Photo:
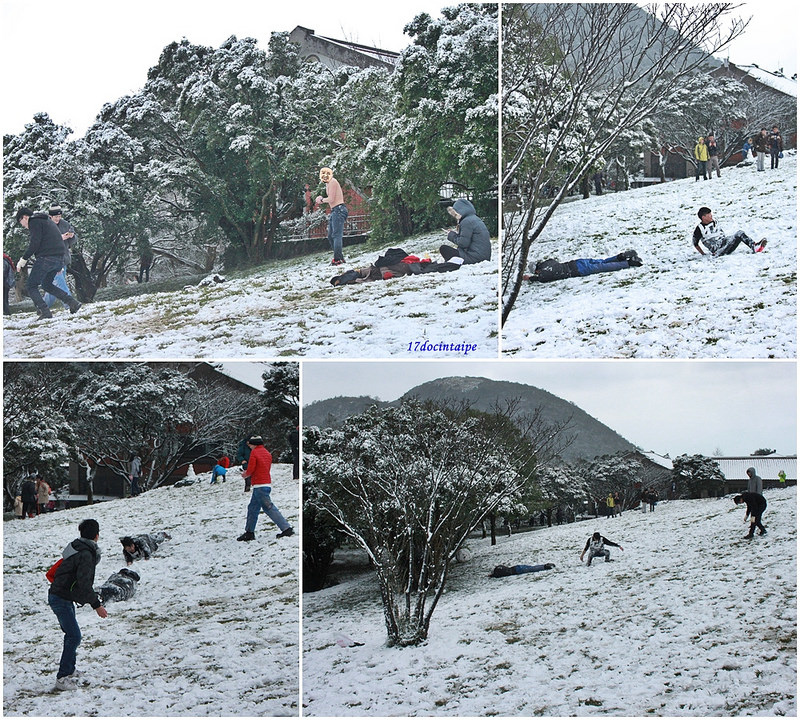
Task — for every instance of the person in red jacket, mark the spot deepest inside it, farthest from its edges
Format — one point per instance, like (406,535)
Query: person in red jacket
(258,470)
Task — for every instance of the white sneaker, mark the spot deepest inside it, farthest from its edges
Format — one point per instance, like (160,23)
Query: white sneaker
(66,683)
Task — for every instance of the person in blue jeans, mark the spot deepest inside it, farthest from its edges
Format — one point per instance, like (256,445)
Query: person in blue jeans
(258,470)
(505,571)
(550,270)
(73,582)
(338,213)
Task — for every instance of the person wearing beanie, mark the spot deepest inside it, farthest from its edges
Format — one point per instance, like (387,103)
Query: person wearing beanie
(716,241)
(69,237)
(756,505)
(550,270)
(337,215)
(73,582)
(48,246)
(258,470)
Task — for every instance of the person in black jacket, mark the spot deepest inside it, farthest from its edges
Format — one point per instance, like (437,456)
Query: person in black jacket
(756,504)
(596,547)
(119,586)
(141,547)
(73,583)
(29,497)
(550,270)
(48,246)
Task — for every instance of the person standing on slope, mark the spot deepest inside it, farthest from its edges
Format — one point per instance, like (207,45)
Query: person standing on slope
(72,583)
(258,470)
(337,215)
(756,505)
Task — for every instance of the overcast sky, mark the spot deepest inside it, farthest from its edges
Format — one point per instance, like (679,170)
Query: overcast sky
(69,59)
(670,407)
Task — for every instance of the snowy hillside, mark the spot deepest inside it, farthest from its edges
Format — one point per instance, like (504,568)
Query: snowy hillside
(287,309)
(213,629)
(679,304)
(690,620)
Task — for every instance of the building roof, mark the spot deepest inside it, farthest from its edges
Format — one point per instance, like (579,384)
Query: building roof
(767,466)
(777,81)
(334,53)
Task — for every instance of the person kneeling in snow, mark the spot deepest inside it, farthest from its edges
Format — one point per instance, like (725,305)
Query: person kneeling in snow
(142,546)
(596,547)
(471,235)
(505,571)
(120,586)
(550,270)
(715,240)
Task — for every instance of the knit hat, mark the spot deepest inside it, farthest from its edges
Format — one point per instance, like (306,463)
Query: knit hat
(54,210)
(256,440)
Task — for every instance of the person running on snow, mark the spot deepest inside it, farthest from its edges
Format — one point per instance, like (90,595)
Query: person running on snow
(596,547)
(72,583)
(550,270)
(258,470)
(715,240)
(48,246)
(337,215)
(756,504)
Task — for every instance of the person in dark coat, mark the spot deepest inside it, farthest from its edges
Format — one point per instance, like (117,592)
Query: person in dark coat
(756,504)
(48,246)
(70,237)
(142,547)
(595,545)
(775,147)
(119,586)
(9,281)
(505,571)
(73,583)
(471,236)
(29,497)
(551,270)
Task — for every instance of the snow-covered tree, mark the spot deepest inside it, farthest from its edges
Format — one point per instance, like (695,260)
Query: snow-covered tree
(576,76)
(409,483)
(696,476)
(280,407)
(442,126)
(613,474)
(37,434)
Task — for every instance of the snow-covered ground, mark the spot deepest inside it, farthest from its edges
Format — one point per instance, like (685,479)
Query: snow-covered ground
(288,309)
(679,304)
(213,629)
(690,620)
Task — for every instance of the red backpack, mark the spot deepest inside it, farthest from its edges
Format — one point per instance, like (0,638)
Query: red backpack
(51,573)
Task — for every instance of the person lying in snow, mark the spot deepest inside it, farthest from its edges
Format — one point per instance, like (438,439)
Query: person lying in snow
(505,571)
(550,270)
(715,240)
(395,263)
(120,586)
(142,546)
(471,236)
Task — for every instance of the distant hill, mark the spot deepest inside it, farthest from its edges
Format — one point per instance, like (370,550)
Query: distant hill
(592,437)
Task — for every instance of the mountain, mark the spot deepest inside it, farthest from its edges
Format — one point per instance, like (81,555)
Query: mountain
(592,437)
(690,619)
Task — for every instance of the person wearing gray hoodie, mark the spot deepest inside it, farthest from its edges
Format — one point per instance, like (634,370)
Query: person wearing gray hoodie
(754,482)
(471,236)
